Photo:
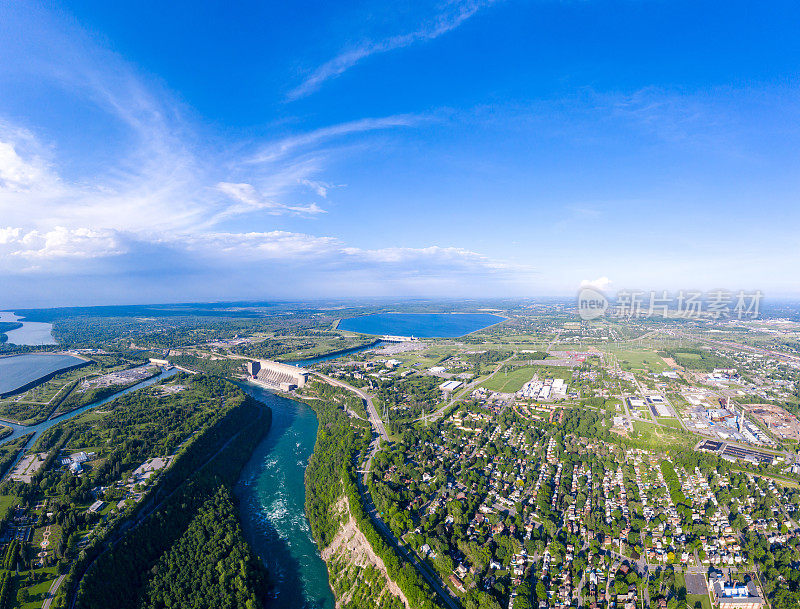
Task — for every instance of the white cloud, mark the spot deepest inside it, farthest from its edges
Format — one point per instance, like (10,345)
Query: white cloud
(254,247)
(601,283)
(278,150)
(321,188)
(454,14)
(59,243)
(284,245)
(16,174)
(251,200)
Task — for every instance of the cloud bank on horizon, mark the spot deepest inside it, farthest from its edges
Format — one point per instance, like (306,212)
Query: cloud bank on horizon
(131,174)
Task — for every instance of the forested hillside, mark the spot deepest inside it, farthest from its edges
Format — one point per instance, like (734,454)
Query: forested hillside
(126,568)
(209,566)
(364,570)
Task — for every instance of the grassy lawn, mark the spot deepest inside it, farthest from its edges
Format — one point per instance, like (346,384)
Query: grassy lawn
(639,359)
(38,535)
(691,599)
(556,372)
(37,592)
(6,503)
(511,381)
(669,422)
(650,432)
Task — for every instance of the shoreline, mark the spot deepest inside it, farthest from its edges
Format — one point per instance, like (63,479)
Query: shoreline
(332,354)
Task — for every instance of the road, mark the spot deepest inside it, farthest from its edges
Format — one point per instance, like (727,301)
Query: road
(369,505)
(433,416)
(51,593)
(374,419)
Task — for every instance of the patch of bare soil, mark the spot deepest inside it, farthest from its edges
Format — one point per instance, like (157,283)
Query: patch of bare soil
(351,544)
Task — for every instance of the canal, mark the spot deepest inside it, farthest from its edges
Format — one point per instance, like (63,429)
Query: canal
(21,430)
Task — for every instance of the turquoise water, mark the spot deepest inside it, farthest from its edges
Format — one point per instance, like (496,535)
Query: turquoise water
(19,370)
(271,492)
(423,325)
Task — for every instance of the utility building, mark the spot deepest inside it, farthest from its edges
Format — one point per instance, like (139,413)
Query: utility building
(276,375)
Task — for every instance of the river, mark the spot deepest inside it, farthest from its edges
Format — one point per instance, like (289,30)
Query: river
(271,493)
(337,355)
(31,332)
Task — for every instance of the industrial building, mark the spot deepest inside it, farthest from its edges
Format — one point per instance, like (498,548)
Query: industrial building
(544,390)
(450,385)
(734,595)
(276,375)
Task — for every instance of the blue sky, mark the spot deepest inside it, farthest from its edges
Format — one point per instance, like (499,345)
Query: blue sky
(182,151)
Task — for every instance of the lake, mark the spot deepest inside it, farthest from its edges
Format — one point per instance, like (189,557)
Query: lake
(422,325)
(31,332)
(19,370)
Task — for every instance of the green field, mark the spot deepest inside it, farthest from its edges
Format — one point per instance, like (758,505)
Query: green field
(669,422)
(6,503)
(37,592)
(511,381)
(650,432)
(691,599)
(554,372)
(639,359)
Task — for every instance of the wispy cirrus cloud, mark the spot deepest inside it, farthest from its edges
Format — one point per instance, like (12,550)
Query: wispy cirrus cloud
(319,187)
(252,200)
(285,147)
(161,176)
(451,16)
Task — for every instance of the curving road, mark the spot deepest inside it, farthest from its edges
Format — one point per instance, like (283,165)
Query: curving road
(369,505)
(374,419)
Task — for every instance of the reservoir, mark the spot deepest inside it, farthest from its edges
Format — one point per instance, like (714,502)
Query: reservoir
(31,332)
(422,325)
(271,493)
(20,370)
